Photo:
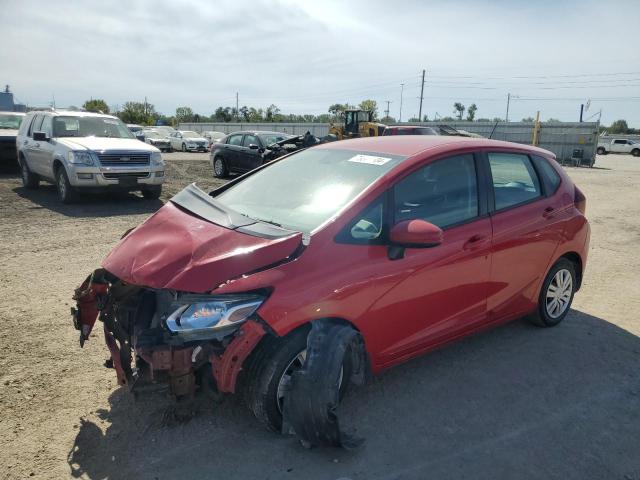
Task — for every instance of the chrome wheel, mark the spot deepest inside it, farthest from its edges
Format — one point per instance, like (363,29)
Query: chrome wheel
(559,293)
(294,365)
(218,167)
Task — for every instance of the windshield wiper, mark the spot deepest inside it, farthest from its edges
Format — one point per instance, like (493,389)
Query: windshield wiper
(271,222)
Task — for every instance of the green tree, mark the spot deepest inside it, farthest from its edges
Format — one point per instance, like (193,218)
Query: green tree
(387,120)
(370,106)
(619,126)
(271,113)
(222,114)
(184,114)
(471,112)
(458,109)
(138,112)
(553,120)
(96,104)
(528,119)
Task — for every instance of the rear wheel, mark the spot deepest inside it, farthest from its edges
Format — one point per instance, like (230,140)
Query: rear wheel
(220,167)
(29,180)
(556,294)
(601,151)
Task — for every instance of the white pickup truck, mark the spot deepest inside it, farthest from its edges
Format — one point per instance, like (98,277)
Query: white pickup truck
(618,145)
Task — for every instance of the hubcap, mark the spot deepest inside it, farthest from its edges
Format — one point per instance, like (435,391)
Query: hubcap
(294,365)
(218,166)
(559,293)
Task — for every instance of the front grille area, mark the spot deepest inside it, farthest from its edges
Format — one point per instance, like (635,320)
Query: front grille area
(114,159)
(116,176)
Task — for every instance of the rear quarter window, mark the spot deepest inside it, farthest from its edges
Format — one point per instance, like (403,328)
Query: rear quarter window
(549,176)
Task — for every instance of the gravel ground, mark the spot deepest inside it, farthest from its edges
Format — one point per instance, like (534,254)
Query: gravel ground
(514,402)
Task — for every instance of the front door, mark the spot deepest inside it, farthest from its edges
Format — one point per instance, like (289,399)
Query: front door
(250,158)
(442,291)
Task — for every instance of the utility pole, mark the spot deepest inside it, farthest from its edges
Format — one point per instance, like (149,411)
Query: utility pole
(237,107)
(421,97)
(386,112)
(508,100)
(145,107)
(581,111)
(401,90)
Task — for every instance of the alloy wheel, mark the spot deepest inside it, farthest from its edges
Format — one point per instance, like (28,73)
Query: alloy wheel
(218,167)
(559,293)
(62,186)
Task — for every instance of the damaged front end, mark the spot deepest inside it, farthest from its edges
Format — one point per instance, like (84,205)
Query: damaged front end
(161,338)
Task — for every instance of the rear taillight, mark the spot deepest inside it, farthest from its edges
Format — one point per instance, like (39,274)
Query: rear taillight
(580,201)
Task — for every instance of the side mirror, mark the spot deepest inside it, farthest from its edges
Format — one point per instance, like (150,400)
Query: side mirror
(40,136)
(413,234)
(253,146)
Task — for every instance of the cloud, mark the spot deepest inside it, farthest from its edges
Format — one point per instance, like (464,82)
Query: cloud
(304,56)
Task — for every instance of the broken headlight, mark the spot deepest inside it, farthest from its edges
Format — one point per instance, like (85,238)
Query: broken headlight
(213,314)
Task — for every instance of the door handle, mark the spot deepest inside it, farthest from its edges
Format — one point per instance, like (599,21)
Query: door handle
(474,241)
(548,212)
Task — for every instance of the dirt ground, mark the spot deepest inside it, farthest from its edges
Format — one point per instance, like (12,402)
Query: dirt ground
(514,402)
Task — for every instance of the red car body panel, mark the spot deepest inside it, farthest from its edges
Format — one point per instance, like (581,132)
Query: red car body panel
(486,271)
(177,250)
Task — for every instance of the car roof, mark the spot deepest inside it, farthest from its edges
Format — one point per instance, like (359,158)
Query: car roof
(256,132)
(72,113)
(414,144)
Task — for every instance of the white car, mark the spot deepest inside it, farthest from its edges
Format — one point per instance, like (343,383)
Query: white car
(618,145)
(158,139)
(188,141)
(213,137)
(83,152)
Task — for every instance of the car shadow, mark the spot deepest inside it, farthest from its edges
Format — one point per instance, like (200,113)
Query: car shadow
(90,205)
(514,402)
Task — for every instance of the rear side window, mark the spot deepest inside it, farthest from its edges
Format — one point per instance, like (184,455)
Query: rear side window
(235,140)
(514,179)
(444,193)
(548,174)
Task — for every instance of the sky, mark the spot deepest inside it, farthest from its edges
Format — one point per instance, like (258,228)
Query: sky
(303,56)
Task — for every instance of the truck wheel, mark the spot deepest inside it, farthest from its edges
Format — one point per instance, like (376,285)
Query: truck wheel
(152,193)
(601,151)
(635,152)
(29,180)
(220,167)
(66,193)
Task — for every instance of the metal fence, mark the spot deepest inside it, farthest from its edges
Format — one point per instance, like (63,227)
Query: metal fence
(572,142)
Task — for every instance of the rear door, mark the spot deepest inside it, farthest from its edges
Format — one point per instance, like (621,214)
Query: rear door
(527,227)
(30,147)
(619,146)
(43,154)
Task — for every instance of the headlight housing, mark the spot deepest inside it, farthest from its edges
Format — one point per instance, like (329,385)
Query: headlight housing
(81,158)
(208,317)
(156,159)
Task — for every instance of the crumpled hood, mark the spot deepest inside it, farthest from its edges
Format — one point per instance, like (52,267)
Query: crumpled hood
(105,143)
(178,250)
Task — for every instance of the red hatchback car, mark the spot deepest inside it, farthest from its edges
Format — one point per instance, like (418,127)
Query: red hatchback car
(345,258)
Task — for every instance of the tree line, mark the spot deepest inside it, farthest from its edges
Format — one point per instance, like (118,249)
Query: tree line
(144,113)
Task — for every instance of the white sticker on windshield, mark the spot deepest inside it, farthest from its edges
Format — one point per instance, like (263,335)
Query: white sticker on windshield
(369,159)
(110,121)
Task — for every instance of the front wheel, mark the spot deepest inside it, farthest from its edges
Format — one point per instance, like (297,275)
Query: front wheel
(556,294)
(269,371)
(184,147)
(66,193)
(635,152)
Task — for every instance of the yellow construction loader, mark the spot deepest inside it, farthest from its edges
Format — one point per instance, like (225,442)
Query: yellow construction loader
(357,123)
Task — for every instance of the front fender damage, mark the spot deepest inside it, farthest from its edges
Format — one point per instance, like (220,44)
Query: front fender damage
(310,405)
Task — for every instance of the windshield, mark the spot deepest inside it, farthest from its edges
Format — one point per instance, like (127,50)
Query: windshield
(152,134)
(306,189)
(90,127)
(269,138)
(190,134)
(11,122)
(216,135)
